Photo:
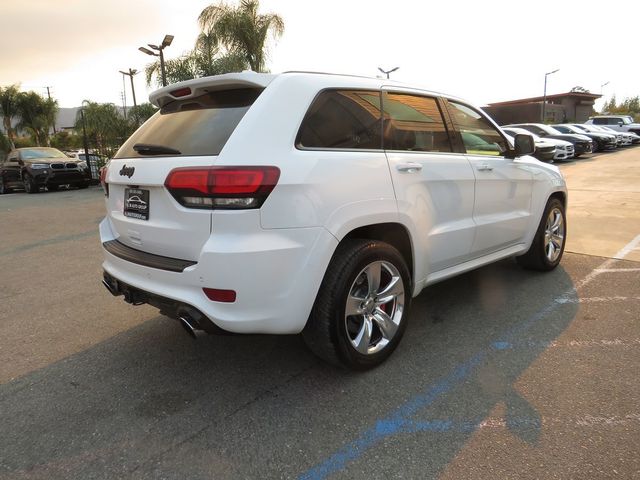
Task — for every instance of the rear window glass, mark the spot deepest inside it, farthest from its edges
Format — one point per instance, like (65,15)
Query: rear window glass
(343,119)
(194,126)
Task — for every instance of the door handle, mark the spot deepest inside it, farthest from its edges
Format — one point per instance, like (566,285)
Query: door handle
(409,167)
(484,167)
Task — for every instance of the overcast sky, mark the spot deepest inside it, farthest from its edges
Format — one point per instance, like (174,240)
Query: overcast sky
(485,51)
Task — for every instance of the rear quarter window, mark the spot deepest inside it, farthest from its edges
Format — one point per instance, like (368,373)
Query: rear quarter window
(342,119)
(193,126)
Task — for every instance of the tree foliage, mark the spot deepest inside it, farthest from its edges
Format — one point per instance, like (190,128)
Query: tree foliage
(8,109)
(579,89)
(106,126)
(242,30)
(629,106)
(36,115)
(31,113)
(232,39)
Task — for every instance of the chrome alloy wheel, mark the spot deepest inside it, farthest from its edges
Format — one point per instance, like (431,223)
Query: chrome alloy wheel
(554,235)
(374,307)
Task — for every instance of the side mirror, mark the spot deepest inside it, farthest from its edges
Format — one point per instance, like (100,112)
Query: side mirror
(619,123)
(524,145)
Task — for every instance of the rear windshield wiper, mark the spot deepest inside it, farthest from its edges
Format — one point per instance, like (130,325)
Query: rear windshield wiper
(150,149)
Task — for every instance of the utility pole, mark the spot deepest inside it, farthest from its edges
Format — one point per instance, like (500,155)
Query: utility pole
(544,97)
(54,122)
(130,74)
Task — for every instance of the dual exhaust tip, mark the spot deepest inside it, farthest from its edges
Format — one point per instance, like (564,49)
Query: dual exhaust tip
(191,319)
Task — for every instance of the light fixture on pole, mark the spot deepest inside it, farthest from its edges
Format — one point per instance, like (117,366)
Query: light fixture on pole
(544,97)
(387,72)
(130,74)
(165,43)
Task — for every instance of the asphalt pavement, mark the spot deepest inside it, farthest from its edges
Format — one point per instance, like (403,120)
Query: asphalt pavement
(502,373)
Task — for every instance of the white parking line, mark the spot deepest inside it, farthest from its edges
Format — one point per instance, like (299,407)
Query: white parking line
(615,298)
(632,245)
(617,270)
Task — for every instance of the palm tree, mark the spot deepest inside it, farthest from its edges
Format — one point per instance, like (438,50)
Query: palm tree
(37,115)
(8,109)
(204,60)
(105,126)
(242,30)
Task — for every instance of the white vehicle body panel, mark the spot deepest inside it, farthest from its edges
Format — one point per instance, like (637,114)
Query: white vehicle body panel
(457,216)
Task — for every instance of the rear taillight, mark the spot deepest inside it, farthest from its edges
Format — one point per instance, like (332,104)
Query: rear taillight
(222,187)
(103,180)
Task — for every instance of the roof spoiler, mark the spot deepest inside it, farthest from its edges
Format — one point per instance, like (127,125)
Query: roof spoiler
(198,86)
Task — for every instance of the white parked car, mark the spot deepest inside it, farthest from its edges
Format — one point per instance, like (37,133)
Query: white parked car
(320,204)
(619,123)
(563,150)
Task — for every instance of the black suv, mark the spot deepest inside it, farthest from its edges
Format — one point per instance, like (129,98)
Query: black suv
(35,167)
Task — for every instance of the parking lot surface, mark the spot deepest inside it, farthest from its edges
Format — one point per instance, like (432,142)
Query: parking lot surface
(502,373)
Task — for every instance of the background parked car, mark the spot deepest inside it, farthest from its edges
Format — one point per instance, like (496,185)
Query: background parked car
(35,167)
(581,143)
(626,137)
(564,150)
(597,129)
(619,123)
(546,150)
(601,140)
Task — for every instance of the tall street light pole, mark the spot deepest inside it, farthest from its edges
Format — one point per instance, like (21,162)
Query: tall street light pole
(544,97)
(604,102)
(165,43)
(387,72)
(130,74)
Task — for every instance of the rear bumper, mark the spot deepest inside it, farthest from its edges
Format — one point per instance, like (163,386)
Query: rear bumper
(275,274)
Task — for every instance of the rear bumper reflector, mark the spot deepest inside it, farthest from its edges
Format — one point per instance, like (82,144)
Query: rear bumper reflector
(120,250)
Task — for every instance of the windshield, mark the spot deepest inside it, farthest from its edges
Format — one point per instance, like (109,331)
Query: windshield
(549,130)
(522,131)
(573,129)
(42,152)
(627,120)
(193,126)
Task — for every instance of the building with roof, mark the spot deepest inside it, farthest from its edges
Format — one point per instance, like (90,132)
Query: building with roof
(560,108)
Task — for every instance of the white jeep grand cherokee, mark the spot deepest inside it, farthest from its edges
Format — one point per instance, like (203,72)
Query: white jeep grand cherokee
(317,203)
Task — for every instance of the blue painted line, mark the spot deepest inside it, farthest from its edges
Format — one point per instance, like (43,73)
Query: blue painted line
(399,420)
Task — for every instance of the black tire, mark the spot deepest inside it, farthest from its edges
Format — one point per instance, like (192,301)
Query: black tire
(537,257)
(3,189)
(327,331)
(53,188)
(30,186)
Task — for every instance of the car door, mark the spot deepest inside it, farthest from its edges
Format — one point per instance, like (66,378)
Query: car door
(434,185)
(504,186)
(11,170)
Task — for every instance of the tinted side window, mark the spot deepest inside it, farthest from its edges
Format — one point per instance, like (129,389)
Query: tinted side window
(414,123)
(600,121)
(342,119)
(614,121)
(478,135)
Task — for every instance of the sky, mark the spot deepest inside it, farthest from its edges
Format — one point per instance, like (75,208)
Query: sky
(485,51)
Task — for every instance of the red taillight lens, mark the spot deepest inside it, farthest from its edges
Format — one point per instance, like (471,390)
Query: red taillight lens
(222,187)
(103,180)
(219,295)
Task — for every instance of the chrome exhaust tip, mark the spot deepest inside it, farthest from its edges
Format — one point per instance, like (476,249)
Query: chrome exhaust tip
(109,287)
(188,324)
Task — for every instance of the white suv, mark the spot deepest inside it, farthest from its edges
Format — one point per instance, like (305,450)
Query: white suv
(317,203)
